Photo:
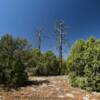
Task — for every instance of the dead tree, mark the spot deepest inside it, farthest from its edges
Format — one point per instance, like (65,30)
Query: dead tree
(60,30)
(38,38)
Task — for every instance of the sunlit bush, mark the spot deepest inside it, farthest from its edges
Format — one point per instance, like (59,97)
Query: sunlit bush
(83,64)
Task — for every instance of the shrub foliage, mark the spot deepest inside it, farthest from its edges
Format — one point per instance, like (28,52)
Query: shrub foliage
(17,59)
(45,63)
(83,64)
(13,57)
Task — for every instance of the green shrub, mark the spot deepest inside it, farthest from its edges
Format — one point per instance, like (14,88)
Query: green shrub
(13,61)
(44,64)
(84,62)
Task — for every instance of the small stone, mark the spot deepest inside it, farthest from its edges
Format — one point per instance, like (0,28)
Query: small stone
(96,93)
(87,95)
(57,89)
(61,96)
(76,92)
(33,89)
(85,98)
(70,95)
(43,85)
(1,98)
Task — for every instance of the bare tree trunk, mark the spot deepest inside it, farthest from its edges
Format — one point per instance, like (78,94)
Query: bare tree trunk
(39,41)
(60,29)
(38,36)
(60,51)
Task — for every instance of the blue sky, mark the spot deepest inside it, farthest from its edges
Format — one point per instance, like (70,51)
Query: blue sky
(22,17)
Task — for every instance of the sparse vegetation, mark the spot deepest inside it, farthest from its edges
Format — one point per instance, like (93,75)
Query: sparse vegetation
(18,59)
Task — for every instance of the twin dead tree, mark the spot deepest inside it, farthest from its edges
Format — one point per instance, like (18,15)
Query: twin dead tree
(60,29)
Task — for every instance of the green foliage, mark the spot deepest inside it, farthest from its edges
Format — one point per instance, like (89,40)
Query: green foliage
(13,61)
(45,64)
(83,64)
(35,62)
(51,63)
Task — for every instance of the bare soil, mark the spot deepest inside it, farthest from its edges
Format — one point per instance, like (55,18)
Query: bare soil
(48,88)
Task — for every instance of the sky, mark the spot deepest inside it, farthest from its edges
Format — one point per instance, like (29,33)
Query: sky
(21,18)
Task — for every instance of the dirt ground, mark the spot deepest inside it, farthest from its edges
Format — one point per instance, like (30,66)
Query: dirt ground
(48,88)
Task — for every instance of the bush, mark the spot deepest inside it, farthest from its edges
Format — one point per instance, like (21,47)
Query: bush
(84,64)
(45,64)
(48,64)
(13,55)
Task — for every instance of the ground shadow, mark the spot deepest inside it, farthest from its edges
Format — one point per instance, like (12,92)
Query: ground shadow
(36,82)
(27,83)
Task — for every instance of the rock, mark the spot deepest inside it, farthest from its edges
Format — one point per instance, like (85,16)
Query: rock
(33,89)
(57,89)
(69,95)
(85,98)
(75,92)
(96,93)
(43,86)
(1,98)
(61,96)
(54,82)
